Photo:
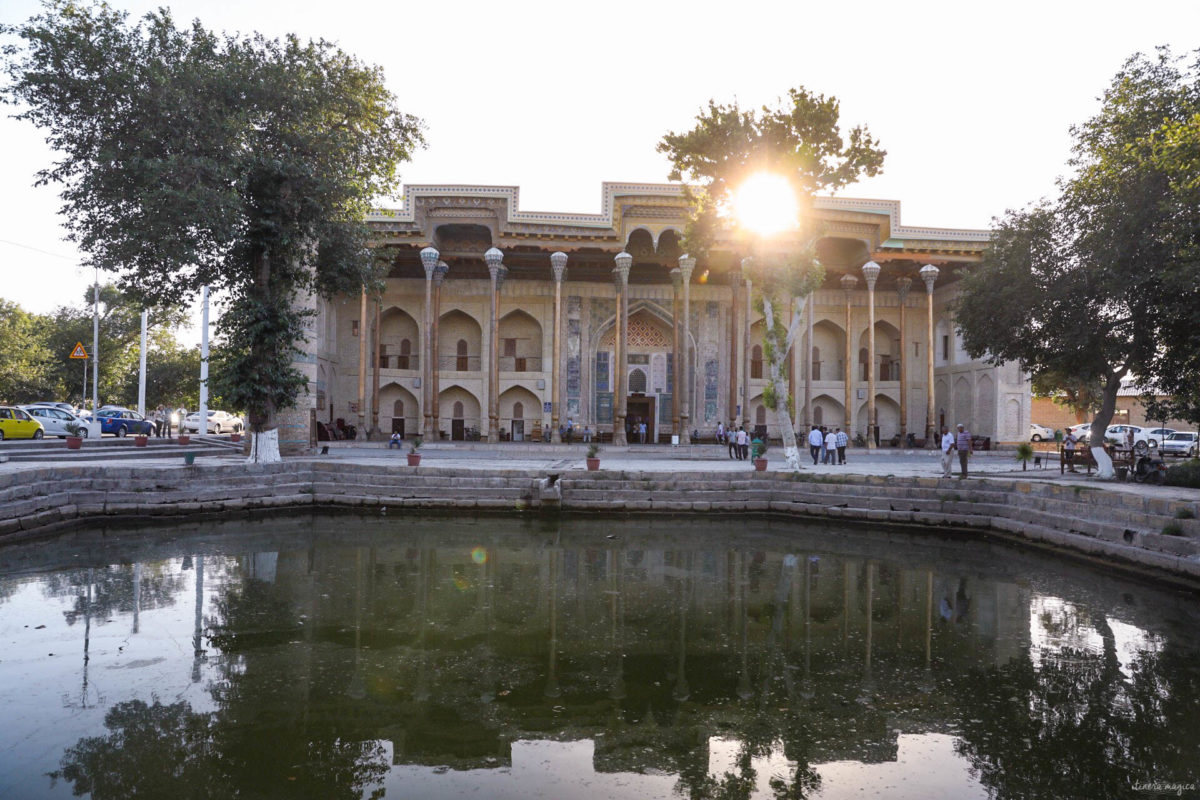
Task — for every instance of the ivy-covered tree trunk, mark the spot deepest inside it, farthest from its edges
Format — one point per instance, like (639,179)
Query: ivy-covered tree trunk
(775,349)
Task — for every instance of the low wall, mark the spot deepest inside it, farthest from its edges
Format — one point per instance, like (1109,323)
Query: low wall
(1122,528)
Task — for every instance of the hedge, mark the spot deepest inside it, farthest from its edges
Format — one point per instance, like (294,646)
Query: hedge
(1185,474)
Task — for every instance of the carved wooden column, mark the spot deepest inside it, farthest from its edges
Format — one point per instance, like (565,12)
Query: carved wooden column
(376,333)
(558,265)
(435,373)
(496,269)
(686,265)
(676,284)
(363,331)
(621,280)
(808,370)
(902,287)
(870,271)
(929,274)
(735,281)
(747,347)
(429,260)
(848,284)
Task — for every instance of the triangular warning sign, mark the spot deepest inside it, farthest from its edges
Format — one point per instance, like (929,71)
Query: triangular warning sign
(79,352)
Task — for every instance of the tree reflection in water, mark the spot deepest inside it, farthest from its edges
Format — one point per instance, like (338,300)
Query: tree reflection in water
(444,650)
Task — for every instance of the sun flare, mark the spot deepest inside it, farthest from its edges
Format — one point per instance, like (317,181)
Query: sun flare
(765,203)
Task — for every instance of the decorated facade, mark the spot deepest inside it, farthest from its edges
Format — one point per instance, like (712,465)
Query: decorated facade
(503,324)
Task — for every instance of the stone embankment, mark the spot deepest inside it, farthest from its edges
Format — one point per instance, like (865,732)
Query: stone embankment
(1123,528)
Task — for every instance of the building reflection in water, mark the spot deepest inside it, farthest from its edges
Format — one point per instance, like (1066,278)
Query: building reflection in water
(430,647)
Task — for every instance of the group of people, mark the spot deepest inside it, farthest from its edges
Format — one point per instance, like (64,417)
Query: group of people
(738,441)
(167,419)
(568,430)
(960,443)
(827,446)
(636,430)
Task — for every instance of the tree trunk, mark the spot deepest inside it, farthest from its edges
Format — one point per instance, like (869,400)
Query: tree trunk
(1103,418)
(264,436)
(782,418)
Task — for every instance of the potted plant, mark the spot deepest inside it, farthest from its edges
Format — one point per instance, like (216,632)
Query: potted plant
(184,438)
(74,435)
(1024,453)
(414,458)
(758,450)
(235,437)
(593,457)
(140,440)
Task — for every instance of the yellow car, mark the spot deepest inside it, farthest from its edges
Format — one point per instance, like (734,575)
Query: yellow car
(16,424)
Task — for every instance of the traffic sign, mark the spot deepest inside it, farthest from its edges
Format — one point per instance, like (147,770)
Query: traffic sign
(79,352)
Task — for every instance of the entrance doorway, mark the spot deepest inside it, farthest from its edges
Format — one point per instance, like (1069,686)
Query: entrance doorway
(640,408)
(458,428)
(398,418)
(518,423)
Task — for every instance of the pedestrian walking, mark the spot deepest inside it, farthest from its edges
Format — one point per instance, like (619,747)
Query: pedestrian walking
(830,448)
(842,441)
(815,440)
(948,442)
(1069,450)
(963,444)
(720,433)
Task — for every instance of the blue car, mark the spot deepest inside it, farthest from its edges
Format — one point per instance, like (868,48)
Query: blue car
(122,422)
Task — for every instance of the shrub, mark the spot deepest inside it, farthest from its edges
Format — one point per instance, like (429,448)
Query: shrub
(1185,513)
(593,450)
(1172,529)
(415,444)
(1185,474)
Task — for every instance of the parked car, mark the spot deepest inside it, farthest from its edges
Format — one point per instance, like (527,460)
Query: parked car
(218,422)
(1180,443)
(1119,435)
(1040,433)
(17,424)
(64,406)
(1082,431)
(1159,435)
(55,420)
(122,422)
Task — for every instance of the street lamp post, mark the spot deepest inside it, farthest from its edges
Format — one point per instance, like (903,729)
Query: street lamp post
(929,274)
(870,272)
(435,372)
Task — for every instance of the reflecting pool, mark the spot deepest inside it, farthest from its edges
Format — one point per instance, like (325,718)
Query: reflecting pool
(341,656)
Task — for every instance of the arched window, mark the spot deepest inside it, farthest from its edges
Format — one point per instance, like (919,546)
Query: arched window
(637,382)
(756,362)
(518,410)
(463,362)
(398,408)
(816,363)
(458,409)
(818,416)
(404,361)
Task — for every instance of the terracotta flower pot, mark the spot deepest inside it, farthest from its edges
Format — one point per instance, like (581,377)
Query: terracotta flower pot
(414,459)
(74,442)
(593,464)
(760,465)
(140,441)
(235,437)
(184,438)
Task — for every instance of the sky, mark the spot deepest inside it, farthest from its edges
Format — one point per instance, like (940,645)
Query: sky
(972,101)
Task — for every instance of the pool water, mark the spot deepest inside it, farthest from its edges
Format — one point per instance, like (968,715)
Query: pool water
(346,656)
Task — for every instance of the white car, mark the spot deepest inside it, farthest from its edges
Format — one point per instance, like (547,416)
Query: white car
(1082,431)
(218,422)
(55,420)
(1119,435)
(1040,433)
(1180,443)
(1159,435)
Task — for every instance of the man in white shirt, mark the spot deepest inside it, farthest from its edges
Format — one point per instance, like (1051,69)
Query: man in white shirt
(947,451)
(743,444)
(830,448)
(815,439)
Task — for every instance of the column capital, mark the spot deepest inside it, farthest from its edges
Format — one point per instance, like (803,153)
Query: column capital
(439,273)
(558,265)
(929,274)
(902,287)
(676,277)
(429,260)
(849,284)
(870,271)
(621,270)
(686,265)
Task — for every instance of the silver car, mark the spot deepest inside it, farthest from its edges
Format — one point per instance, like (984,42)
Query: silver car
(55,420)
(1180,443)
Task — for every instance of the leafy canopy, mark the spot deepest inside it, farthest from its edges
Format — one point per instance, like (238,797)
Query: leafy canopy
(192,158)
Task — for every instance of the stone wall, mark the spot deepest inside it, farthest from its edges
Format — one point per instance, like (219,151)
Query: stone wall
(1120,528)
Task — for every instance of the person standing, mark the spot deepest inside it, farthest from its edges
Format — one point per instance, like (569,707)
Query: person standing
(743,444)
(842,441)
(963,444)
(720,433)
(1069,450)
(815,439)
(830,448)
(948,441)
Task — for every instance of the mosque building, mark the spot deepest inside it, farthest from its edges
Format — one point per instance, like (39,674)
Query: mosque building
(502,324)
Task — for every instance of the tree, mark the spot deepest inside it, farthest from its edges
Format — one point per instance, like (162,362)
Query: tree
(192,158)
(1081,396)
(1100,283)
(801,142)
(24,356)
